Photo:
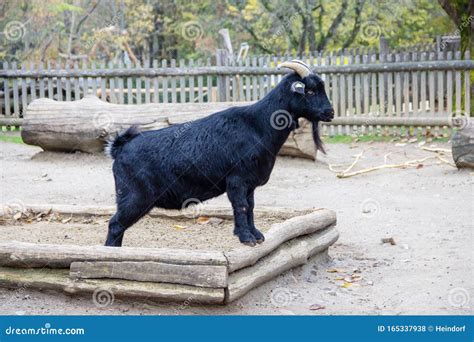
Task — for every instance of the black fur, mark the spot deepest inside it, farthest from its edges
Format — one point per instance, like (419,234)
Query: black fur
(231,151)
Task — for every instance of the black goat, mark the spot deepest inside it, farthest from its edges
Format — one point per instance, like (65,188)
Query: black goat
(231,151)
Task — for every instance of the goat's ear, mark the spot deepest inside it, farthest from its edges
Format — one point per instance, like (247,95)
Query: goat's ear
(298,87)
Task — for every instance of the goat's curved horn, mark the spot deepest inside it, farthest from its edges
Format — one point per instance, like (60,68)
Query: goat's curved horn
(298,66)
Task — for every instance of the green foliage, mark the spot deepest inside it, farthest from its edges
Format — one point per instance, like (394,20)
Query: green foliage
(157,28)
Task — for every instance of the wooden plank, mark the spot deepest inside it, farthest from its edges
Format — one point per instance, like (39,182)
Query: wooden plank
(350,94)
(58,280)
(24,90)
(165,81)
(182,84)
(119,82)
(138,85)
(200,86)
(458,85)
(254,81)
(112,86)
(278,234)
(41,82)
(6,88)
(59,88)
(423,107)
(67,83)
(431,88)
(50,83)
(130,96)
(467,87)
(173,84)
(30,255)
(415,76)
(94,80)
(147,85)
(373,92)
(103,84)
(449,87)
(191,82)
(248,94)
(32,84)
(196,275)
(366,92)
(292,254)
(77,84)
(156,88)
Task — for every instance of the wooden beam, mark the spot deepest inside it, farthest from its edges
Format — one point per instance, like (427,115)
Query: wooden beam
(31,255)
(292,254)
(278,234)
(236,70)
(58,280)
(196,275)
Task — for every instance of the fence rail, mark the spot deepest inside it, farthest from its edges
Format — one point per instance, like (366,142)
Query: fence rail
(371,93)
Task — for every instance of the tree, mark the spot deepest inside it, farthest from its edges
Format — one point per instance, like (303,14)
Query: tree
(461,13)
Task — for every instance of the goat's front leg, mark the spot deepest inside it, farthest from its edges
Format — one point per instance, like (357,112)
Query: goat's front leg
(237,193)
(255,232)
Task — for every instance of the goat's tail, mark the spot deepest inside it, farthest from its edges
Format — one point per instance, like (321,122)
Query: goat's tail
(317,138)
(114,144)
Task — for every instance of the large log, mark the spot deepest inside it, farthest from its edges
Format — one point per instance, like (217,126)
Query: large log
(278,234)
(196,275)
(31,255)
(86,124)
(58,280)
(463,146)
(291,254)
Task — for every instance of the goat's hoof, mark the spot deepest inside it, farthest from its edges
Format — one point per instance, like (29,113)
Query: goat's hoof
(259,241)
(250,243)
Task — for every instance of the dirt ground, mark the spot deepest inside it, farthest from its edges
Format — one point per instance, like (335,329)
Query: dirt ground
(427,210)
(199,233)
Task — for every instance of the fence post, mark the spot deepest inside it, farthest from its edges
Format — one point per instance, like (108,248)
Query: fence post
(221,60)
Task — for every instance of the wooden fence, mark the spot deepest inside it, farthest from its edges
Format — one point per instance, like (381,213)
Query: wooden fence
(371,92)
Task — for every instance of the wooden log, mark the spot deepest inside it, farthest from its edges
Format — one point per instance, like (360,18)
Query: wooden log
(291,254)
(463,147)
(278,234)
(86,124)
(196,275)
(58,280)
(30,255)
(225,212)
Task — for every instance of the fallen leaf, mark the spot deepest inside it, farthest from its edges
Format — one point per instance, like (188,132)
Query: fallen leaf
(203,220)
(339,278)
(390,240)
(346,285)
(66,220)
(334,270)
(419,166)
(317,307)
(17,216)
(178,226)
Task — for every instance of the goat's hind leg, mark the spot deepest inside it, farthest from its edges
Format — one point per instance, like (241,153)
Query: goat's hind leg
(238,197)
(127,214)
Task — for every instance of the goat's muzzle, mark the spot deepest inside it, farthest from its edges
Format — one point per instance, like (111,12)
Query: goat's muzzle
(327,115)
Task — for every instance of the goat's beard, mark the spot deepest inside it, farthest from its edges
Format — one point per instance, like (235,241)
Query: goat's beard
(316,137)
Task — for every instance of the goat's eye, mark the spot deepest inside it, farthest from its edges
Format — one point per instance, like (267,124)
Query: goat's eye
(310,92)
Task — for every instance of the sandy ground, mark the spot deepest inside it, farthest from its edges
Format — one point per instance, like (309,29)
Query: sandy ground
(200,233)
(427,210)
